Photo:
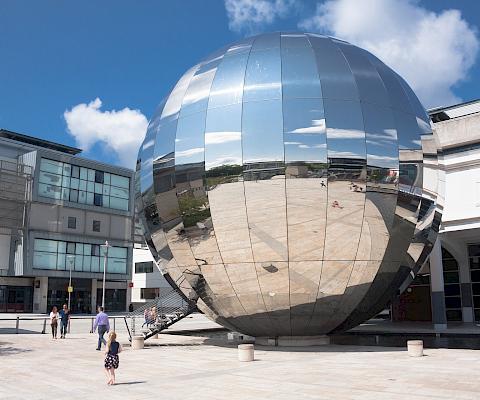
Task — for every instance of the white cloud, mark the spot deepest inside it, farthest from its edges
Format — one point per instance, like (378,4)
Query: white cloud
(315,146)
(344,154)
(189,152)
(120,131)
(317,126)
(250,15)
(222,137)
(337,133)
(432,51)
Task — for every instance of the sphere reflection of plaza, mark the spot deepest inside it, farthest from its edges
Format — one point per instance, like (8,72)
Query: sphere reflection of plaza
(280,185)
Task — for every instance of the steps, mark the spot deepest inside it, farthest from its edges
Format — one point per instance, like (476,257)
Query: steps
(158,314)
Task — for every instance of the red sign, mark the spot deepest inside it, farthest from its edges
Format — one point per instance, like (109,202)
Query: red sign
(130,284)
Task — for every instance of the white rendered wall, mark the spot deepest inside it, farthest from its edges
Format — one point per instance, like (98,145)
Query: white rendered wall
(462,186)
(154,279)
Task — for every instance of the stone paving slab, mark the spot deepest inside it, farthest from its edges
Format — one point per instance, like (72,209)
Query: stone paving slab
(206,367)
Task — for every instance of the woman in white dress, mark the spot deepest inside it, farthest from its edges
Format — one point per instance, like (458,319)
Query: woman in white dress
(54,321)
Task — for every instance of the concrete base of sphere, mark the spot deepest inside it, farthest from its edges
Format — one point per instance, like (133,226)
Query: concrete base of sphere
(293,341)
(245,352)
(138,342)
(415,348)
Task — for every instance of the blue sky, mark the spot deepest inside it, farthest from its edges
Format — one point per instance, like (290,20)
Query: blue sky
(59,56)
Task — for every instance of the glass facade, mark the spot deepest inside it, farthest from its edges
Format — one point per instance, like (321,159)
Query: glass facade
(268,185)
(82,257)
(474,263)
(63,181)
(451,279)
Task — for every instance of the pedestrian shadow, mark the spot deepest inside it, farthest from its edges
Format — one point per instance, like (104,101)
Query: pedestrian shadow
(7,350)
(10,331)
(129,383)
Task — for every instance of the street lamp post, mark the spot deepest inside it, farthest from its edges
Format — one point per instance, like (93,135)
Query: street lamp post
(105,255)
(71,259)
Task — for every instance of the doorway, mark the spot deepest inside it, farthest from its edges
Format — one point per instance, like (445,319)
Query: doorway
(16,299)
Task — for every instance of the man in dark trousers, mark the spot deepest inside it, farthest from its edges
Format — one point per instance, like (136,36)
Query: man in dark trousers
(101,321)
(64,318)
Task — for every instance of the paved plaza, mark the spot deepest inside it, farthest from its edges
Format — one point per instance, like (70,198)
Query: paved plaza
(203,365)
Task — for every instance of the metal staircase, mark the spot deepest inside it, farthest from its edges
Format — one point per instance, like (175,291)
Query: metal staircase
(158,314)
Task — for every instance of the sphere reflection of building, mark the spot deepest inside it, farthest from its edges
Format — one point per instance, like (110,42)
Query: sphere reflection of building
(274,185)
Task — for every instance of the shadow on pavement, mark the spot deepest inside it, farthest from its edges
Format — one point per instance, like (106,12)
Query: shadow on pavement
(219,339)
(20,331)
(6,349)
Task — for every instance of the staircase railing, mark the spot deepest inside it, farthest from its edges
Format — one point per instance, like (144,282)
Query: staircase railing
(158,314)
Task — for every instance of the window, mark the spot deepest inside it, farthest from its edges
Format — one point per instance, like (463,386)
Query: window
(80,257)
(144,267)
(98,199)
(70,248)
(96,250)
(62,181)
(149,293)
(74,195)
(96,226)
(99,176)
(75,171)
(72,223)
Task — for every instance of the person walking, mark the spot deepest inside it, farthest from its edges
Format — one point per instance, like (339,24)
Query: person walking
(111,357)
(54,321)
(101,321)
(64,319)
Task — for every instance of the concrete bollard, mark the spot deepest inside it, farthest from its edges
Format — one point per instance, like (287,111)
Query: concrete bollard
(245,352)
(415,348)
(138,342)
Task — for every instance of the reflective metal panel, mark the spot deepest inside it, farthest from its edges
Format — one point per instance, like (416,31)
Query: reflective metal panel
(273,278)
(306,173)
(244,279)
(197,94)
(266,41)
(304,281)
(299,70)
(227,86)
(369,85)
(264,179)
(262,137)
(346,178)
(396,94)
(335,74)
(263,76)
(174,100)
(223,164)
(333,283)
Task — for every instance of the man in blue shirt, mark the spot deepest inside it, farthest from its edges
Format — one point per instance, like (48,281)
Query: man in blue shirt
(101,321)
(64,318)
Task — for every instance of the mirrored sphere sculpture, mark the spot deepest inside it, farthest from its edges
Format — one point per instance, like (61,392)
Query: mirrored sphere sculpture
(281,185)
